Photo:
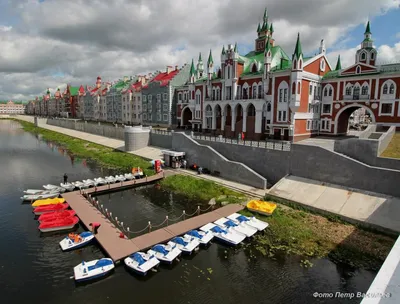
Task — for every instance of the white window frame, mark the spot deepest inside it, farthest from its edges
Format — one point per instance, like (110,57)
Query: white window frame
(159,117)
(165,96)
(308,125)
(144,98)
(165,107)
(165,117)
(150,116)
(324,124)
(386,114)
(158,97)
(322,65)
(330,109)
(150,98)
(144,116)
(358,69)
(280,116)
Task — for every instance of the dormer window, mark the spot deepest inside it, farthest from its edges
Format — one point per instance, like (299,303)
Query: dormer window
(254,68)
(363,56)
(322,65)
(358,69)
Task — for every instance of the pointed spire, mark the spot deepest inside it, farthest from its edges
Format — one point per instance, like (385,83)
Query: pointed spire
(210,59)
(258,28)
(297,50)
(265,14)
(267,46)
(271,28)
(223,50)
(48,91)
(338,64)
(192,70)
(200,57)
(368,29)
(265,26)
(235,48)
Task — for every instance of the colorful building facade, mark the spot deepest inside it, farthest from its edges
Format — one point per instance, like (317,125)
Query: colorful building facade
(12,108)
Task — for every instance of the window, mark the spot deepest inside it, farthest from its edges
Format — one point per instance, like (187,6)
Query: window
(325,92)
(385,89)
(165,96)
(282,116)
(330,91)
(386,108)
(310,89)
(180,97)
(144,116)
(144,98)
(372,56)
(260,91)
(149,98)
(391,89)
(348,90)
(285,95)
(165,117)
(144,107)
(308,125)
(254,93)
(280,95)
(229,72)
(150,117)
(326,109)
(325,125)
(322,67)
(298,88)
(159,117)
(269,107)
(165,107)
(358,70)
(158,97)
(356,92)
(198,99)
(363,56)
(364,90)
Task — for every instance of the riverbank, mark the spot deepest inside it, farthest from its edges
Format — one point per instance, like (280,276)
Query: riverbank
(296,231)
(105,156)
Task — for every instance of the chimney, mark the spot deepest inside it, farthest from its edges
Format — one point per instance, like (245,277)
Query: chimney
(169,69)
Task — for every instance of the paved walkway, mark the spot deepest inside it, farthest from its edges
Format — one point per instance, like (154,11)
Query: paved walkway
(118,248)
(373,209)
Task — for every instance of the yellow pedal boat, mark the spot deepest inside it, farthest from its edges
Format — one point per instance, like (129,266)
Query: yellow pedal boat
(261,207)
(48,201)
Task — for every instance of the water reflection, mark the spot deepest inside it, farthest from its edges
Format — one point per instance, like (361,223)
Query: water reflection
(35,270)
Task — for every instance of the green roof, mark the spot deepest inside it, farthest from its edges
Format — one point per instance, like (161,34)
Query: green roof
(74,91)
(368,29)
(200,57)
(192,69)
(276,53)
(271,28)
(298,51)
(210,58)
(338,64)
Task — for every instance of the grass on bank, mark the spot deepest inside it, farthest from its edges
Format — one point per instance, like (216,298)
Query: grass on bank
(105,156)
(297,231)
(393,149)
(201,189)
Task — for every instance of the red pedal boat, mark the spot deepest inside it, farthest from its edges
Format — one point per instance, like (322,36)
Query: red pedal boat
(50,216)
(50,208)
(59,224)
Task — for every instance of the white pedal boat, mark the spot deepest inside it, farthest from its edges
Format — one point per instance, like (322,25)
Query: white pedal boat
(100,181)
(89,182)
(67,186)
(34,197)
(69,244)
(129,176)
(93,269)
(165,253)
(141,262)
(187,245)
(229,225)
(204,238)
(231,238)
(251,221)
(81,185)
(50,187)
(120,178)
(110,179)
(37,191)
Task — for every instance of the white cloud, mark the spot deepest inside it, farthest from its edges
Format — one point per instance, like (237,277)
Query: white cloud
(81,39)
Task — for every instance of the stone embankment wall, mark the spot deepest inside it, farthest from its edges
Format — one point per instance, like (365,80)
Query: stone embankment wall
(310,162)
(116,132)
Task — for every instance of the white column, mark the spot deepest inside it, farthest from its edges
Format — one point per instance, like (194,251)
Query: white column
(223,120)
(233,120)
(258,121)
(244,120)
(234,89)
(376,89)
(214,120)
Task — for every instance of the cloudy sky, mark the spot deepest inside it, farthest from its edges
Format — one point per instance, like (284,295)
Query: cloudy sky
(48,43)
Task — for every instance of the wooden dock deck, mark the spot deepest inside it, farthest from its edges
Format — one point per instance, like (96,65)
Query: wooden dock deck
(108,235)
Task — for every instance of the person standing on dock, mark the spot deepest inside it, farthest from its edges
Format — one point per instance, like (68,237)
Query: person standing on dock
(65,178)
(95,226)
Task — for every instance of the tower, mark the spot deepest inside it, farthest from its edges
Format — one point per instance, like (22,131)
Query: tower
(200,67)
(210,71)
(322,49)
(367,53)
(264,31)
(296,76)
(98,82)
(267,65)
(192,75)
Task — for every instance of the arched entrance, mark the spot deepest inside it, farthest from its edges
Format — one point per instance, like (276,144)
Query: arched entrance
(186,116)
(352,115)
(239,119)
(250,121)
(218,116)
(228,117)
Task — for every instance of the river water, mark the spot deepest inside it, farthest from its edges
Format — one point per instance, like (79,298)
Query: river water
(33,269)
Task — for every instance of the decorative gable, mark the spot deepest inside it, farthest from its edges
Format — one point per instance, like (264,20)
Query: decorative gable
(318,65)
(359,68)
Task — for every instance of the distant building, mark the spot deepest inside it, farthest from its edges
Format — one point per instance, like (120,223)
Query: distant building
(12,108)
